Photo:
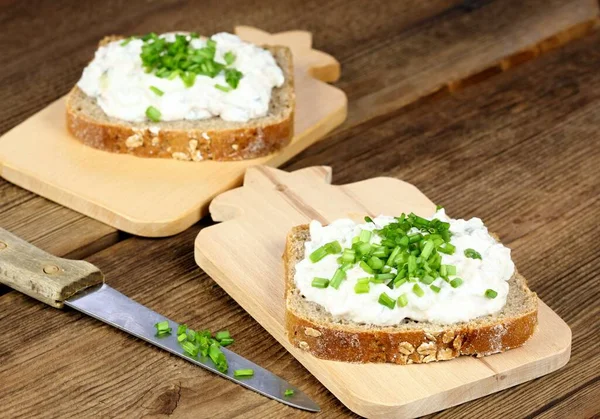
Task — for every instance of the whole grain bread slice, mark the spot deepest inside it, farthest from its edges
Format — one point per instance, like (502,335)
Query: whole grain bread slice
(189,140)
(310,327)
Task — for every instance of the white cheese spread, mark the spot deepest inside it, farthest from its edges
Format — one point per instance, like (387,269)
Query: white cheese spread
(450,305)
(117,80)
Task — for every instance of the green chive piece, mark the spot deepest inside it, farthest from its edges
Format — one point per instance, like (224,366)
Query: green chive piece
(337,279)
(427,279)
(320,282)
(386,300)
(348,256)
(157,90)
(181,329)
(181,338)
(427,249)
(447,248)
(333,247)
(223,334)
(217,357)
(226,342)
(399,282)
(190,348)
(418,290)
(472,253)
(162,328)
(288,392)
(451,269)
(153,114)
(243,373)
(365,280)
(456,282)
(229,57)
(365,267)
(489,293)
(369,219)
(223,88)
(375,263)
(435,288)
(412,264)
(365,236)
(364,248)
(402,300)
(438,207)
(361,288)
(127,41)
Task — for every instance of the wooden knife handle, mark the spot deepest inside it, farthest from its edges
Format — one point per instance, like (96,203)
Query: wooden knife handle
(40,275)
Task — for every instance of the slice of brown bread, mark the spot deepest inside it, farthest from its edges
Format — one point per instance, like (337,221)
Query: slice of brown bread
(310,327)
(197,140)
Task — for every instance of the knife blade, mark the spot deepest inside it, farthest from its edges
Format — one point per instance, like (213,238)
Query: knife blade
(80,285)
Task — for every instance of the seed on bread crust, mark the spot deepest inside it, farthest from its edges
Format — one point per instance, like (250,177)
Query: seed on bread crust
(457,344)
(448,336)
(406,348)
(428,358)
(309,331)
(178,155)
(134,141)
(303,345)
(427,348)
(444,354)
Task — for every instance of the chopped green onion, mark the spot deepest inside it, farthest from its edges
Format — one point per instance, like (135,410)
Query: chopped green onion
(418,291)
(348,256)
(438,207)
(489,293)
(402,300)
(365,267)
(162,328)
(233,77)
(369,219)
(363,248)
(288,392)
(226,342)
(365,280)
(472,253)
(386,300)
(190,348)
(327,249)
(435,288)
(447,248)
(181,329)
(223,334)
(320,282)
(399,281)
(153,114)
(450,270)
(375,263)
(217,357)
(223,88)
(385,277)
(127,40)
(229,57)
(365,236)
(427,279)
(427,249)
(157,90)
(393,255)
(456,282)
(361,288)
(333,247)
(243,373)
(181,338)
(337,279)
(412,264)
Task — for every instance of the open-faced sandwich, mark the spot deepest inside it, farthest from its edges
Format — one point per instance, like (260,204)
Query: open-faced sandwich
(404,290)
(182,96)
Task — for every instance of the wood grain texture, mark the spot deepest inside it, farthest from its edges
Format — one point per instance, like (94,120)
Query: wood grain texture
(40,275)
(161,197)
(243,255)
(538,122)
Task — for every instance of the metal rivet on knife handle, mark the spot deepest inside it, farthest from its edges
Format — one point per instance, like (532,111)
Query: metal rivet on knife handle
(51,269)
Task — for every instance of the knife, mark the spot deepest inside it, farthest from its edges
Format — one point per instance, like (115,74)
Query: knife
(80,285)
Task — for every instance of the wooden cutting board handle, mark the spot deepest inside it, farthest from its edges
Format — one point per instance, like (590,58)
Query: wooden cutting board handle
(40,275)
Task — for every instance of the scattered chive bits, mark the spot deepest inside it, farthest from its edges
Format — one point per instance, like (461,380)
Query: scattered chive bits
(456,282)
(386,300)
(288,392)
(162,328)
(243,373)
(179,58)
(491,294)
(153,114)
(201,342)
(320,282)
(157,91)
(472,253)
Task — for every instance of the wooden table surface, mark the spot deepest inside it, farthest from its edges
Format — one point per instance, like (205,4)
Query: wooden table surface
(519,149)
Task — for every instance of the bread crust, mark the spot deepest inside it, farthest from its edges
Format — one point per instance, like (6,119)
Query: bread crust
(246,142)
(339,342)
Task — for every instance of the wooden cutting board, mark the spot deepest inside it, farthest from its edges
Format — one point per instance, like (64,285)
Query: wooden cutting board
(158,197)
(243,254)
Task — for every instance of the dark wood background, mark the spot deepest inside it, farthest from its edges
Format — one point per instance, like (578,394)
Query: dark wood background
(519,149)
